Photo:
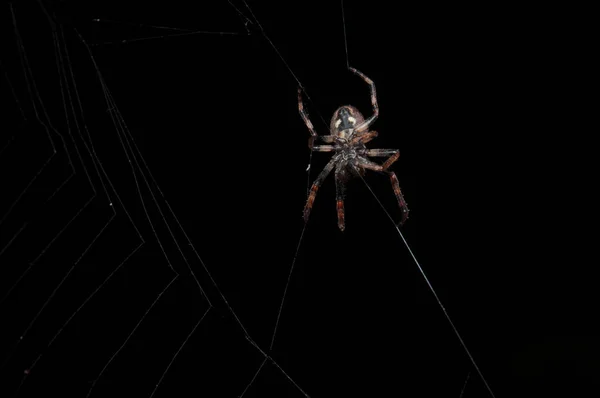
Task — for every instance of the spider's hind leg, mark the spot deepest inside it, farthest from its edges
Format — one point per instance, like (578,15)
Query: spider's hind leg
(393,179)
(315,187)
(340,191)
(399,196)
(393,154)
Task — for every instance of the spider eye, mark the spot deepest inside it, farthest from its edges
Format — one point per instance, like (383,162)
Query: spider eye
(337,123)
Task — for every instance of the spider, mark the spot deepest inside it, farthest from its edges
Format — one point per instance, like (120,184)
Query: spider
(349,132)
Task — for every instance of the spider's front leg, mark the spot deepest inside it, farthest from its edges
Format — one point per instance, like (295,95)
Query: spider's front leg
(309,125)
(315,187)
(330,139)
(365,125)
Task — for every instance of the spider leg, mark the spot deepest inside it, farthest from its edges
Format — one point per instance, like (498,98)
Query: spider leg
(327,138)
(367,164)
(399,196)
(370,120)
(393,154)
(340,190)
(304,115)
(315,187)
(363,138)
(323,148)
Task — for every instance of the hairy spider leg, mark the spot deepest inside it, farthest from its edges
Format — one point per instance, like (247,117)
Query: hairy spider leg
(399,196)
(313,134)
(393,154)
(309,125)
(315,186)
(363,138)
(340,190)
(367,164)
(327,138)
(373,117)
(323,148)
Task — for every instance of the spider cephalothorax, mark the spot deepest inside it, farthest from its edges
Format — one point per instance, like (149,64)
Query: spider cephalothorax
(349,132)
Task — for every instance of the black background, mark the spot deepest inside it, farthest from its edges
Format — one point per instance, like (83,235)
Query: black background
(477,99)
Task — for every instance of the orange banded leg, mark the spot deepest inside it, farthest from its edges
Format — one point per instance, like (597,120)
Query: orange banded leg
(340,189)
(330,139)
(369,121)
(399,196)
(309,125)
(364,138)
(323,148)
(393,154)
(340,214)
(395,185)
(315,187)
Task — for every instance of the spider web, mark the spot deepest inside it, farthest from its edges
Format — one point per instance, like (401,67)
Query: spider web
(152,200)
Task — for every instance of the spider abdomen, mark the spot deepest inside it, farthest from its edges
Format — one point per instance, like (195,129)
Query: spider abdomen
(344,121)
